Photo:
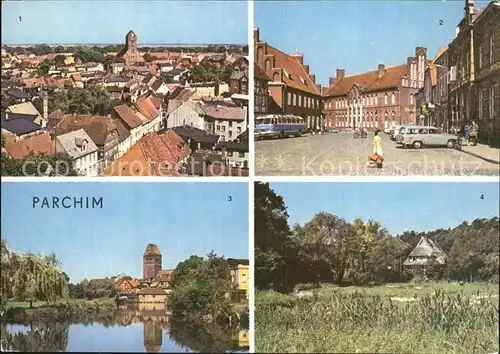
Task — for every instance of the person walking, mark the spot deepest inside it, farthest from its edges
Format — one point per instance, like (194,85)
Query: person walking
(473,133)
(467,129)
(378,153)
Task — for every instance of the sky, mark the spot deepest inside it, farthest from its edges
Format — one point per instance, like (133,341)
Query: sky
(399,207)
(182,219)
(107,22)
(357,35)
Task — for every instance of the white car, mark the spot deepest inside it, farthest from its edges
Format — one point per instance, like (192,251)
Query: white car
(388,130)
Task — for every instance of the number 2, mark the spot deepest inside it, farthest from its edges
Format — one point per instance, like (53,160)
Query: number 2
(440,22)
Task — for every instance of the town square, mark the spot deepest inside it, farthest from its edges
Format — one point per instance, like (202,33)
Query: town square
(441,94)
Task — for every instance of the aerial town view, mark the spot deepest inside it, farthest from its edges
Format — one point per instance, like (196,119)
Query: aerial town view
(389,98)
(84,98)
(356,270)
(122,273)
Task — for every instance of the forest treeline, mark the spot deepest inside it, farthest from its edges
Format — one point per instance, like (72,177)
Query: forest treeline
(332,250)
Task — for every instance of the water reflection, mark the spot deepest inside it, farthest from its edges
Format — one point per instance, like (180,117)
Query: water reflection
(128,329)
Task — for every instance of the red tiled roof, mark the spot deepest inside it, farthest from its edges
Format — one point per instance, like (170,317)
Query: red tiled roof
(147,108)
(157,101)
(297,76)
(76,77)
(224,112)
(368,81)
(37,144)
(97,127)
(155,154)
(128,116)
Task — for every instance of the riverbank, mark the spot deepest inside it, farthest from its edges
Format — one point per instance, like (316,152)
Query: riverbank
(446,318)
(62,310)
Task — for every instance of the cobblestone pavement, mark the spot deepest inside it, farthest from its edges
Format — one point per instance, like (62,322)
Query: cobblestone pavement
(341,155)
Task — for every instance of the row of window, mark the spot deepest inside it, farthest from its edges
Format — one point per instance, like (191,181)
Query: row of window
(491,58)
(365,124)
(232,154)
(222,128)
(491,103)
(298,100)
(367,115)
(370,100)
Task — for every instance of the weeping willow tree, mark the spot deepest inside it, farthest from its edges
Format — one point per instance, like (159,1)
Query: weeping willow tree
(31,277)
(4,280)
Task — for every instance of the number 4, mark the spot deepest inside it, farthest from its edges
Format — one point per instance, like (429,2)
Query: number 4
(482,196)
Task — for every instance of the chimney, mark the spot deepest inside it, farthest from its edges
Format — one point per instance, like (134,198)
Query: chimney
(313,78)
(318,87)
(381,70)
(45,98)
(340,74)
(256,35)
(332,81)
(306,68)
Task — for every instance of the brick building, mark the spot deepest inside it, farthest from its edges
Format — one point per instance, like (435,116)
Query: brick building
(293,89)
(375,99)
(474,66)
(130,54)
(487,73)
(151,262)
(238,82)
(261,91)
(432,98)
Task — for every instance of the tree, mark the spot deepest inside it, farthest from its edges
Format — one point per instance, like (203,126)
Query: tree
(272,243)
(38,165)
(328,242)
(44,67)
(148,57)
(4,280)
(92,100)
(199,288)
(32,277)
(86,55)
(59,59)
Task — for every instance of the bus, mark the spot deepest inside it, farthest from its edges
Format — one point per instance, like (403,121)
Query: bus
(279,125)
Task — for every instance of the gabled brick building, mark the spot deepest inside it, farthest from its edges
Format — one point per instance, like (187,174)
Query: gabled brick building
(375,99)
(293,89)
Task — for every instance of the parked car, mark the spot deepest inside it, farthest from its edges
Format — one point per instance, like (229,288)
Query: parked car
(399,133)
(418,136)
(331,130)
(388,130)
(393,131)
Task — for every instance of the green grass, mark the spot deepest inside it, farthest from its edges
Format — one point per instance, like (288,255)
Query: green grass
(444,318)
(62,310)
(43,304)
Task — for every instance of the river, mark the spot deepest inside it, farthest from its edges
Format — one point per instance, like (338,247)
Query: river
(125,330)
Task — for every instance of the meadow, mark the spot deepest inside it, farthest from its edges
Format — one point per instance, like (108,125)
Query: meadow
(393,318)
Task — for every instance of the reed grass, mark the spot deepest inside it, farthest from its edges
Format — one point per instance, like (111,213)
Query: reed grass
(364,322)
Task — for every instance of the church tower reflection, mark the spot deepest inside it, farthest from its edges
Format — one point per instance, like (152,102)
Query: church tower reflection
(152,336)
